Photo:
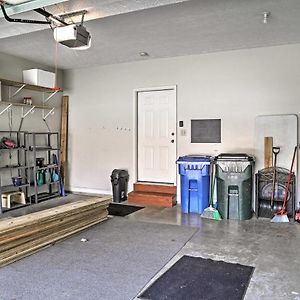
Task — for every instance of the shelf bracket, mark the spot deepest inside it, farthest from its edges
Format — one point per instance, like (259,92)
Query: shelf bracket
(48,127)
(45,116)
(17,91)
(50,96)
(24,115)
(5,109)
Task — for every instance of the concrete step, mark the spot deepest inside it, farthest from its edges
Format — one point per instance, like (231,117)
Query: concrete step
(155,188)
(152,199)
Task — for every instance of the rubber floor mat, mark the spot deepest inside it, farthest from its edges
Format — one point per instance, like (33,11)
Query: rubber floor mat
(196,278)
(122,210)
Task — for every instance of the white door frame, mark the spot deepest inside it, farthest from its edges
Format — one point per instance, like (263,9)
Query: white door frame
(135,125)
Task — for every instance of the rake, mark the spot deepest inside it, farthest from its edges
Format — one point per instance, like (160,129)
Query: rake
(281,216)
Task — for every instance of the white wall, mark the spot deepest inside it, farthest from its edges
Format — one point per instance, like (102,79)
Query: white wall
(235,86)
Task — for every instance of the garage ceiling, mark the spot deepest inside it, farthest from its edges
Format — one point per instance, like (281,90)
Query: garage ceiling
(165,28)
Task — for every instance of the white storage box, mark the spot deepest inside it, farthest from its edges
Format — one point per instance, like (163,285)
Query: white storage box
(39,77)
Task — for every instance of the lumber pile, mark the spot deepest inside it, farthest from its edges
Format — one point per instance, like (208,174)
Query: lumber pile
(22,236)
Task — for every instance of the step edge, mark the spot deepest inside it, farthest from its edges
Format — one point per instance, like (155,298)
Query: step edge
(149,194)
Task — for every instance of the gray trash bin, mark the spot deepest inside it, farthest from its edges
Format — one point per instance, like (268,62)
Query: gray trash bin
(234,185)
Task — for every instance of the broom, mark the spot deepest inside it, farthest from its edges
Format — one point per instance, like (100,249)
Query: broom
(281,216)
(210,212)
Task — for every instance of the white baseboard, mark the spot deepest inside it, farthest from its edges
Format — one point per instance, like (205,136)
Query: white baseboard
(90,191)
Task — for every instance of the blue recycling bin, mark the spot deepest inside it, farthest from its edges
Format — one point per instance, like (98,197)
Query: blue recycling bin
(195,183)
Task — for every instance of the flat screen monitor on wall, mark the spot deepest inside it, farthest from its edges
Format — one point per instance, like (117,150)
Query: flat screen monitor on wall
(206,131)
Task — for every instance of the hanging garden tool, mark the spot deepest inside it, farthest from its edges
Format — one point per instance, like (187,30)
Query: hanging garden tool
(275,151)
(270,187)
(281,216)
(56,175)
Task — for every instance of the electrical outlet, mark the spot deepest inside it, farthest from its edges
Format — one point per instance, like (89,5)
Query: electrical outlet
(183,132)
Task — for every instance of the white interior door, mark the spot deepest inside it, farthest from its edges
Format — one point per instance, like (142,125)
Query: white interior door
(157,136)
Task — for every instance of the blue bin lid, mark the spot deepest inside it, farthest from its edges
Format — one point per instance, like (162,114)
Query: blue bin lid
(194,159)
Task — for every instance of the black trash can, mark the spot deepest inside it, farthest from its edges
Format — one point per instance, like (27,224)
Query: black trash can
(234,185)
(119,181)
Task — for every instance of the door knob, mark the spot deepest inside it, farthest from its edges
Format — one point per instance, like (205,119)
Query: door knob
(172,141)
(172,133)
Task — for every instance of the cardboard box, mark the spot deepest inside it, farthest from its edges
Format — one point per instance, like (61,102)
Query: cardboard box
(39,77)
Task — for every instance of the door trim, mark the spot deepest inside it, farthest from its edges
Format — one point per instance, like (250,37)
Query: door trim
(135,125)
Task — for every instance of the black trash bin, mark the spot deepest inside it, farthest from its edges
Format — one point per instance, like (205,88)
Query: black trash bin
(119,181)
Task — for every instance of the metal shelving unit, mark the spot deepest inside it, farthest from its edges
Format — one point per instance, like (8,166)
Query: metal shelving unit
(50,145)
(25,153)
(17,168)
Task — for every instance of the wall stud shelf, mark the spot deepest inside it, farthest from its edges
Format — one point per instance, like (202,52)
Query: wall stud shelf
(26,109)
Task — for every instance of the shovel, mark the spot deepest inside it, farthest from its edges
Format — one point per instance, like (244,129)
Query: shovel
(275,151)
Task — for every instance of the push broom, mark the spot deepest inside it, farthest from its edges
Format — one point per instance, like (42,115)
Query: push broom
(281,215)
(210,212)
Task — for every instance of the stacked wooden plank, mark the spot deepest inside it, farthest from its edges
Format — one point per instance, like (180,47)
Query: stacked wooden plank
(22,236)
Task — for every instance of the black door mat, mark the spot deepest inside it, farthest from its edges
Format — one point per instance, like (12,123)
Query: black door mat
(196,278)
(122,210)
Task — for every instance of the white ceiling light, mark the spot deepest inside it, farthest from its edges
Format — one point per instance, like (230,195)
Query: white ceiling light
(144,54)
(266,15)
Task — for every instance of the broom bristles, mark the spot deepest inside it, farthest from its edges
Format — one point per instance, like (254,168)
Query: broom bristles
(211,213)
(280,218)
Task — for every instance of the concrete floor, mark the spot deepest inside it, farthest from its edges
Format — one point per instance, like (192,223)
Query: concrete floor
(273,249)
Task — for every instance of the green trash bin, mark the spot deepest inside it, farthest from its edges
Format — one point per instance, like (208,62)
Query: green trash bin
(234,175)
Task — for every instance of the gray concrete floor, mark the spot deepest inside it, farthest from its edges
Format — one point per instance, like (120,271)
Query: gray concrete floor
(273,249)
